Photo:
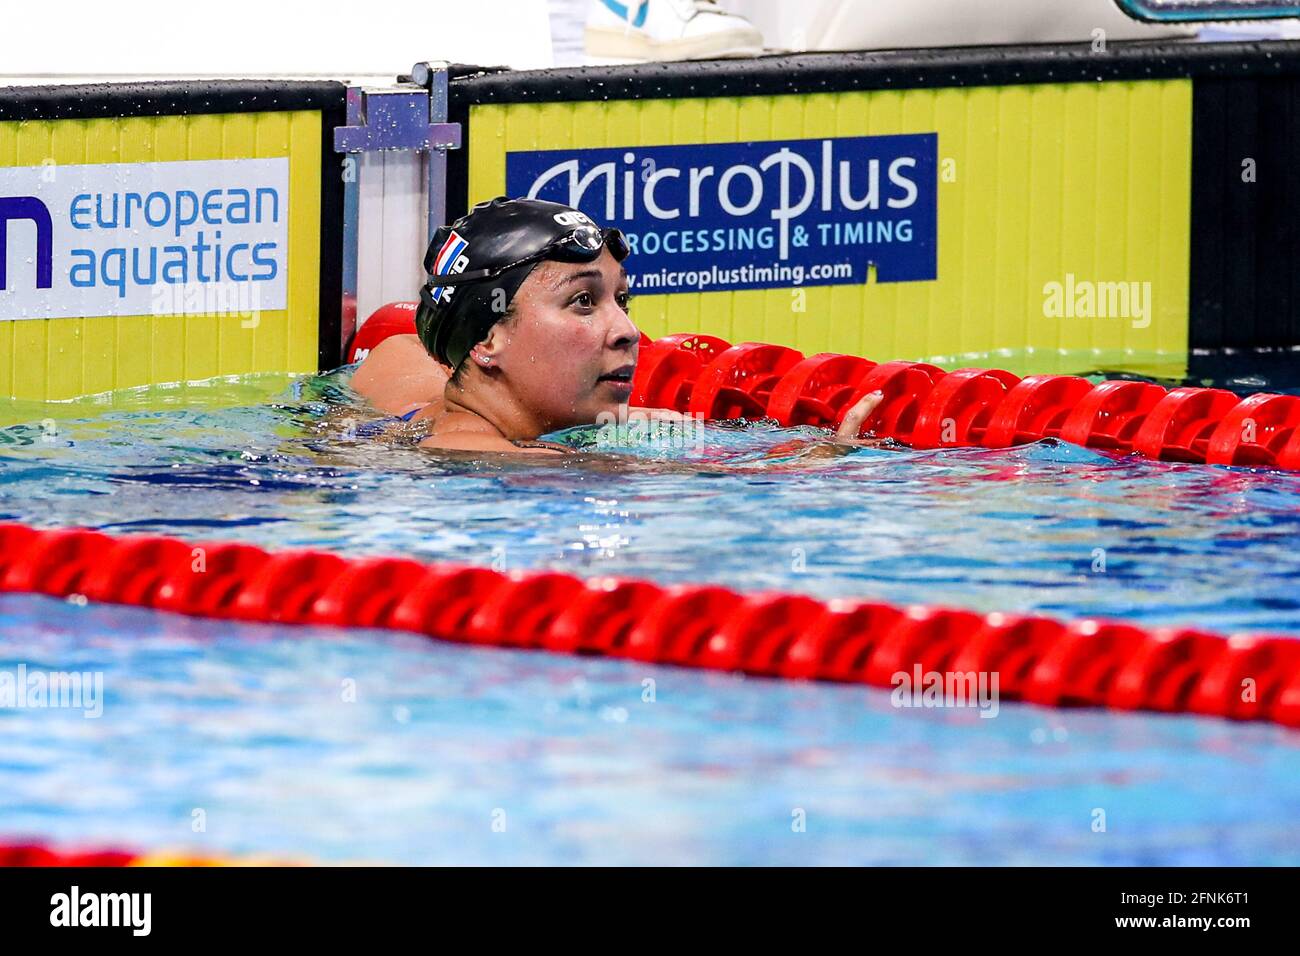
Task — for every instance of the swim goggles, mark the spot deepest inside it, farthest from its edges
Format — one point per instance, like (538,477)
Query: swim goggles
(582,244)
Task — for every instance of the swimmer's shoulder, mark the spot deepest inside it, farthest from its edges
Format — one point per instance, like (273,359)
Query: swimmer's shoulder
(474,441)
(399,373)
(544,446)
(395,348)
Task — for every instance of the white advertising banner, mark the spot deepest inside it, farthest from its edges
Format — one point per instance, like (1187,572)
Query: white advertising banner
(191,237)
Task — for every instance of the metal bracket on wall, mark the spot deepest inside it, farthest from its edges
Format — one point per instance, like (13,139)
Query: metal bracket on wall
(408,116)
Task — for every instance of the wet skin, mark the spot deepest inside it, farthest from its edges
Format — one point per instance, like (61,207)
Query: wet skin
(563,357)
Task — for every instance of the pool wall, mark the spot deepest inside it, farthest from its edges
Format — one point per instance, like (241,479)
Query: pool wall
(1118,207)
(94,302)
(1050,182)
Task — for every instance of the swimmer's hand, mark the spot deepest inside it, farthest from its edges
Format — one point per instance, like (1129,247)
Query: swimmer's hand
(851,427)
(471,442)
(635,412)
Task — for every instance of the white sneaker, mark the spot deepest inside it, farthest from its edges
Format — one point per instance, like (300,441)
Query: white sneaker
(668,30)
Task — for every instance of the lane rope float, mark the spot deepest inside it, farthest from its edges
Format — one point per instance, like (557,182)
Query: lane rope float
(926,407)
(1084,663)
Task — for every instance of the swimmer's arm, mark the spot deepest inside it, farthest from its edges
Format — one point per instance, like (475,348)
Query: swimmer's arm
(638,413)
(848,433)
(846,438)
(850,429)
(658,414)
(473,441)
(399,375)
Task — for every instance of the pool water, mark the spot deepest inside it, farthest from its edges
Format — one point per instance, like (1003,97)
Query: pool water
(316,744)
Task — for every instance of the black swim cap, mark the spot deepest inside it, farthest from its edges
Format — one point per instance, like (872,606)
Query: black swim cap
(495,247)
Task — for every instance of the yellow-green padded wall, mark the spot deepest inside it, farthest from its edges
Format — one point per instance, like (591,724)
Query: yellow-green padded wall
(1035,183)
(51,359)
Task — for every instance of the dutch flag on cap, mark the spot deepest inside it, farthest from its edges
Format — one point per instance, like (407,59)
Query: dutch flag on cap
(448,256)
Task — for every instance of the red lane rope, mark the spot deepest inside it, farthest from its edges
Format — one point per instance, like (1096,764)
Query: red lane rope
(1084,663)
(37,854)
(926,407)
(40,854)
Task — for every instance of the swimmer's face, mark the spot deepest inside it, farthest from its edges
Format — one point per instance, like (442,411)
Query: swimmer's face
(569,353)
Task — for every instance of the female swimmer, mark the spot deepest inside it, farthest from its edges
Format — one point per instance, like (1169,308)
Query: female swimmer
(522,330)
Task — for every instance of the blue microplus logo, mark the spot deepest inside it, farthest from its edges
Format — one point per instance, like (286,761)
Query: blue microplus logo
(754,215)
(29,208)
